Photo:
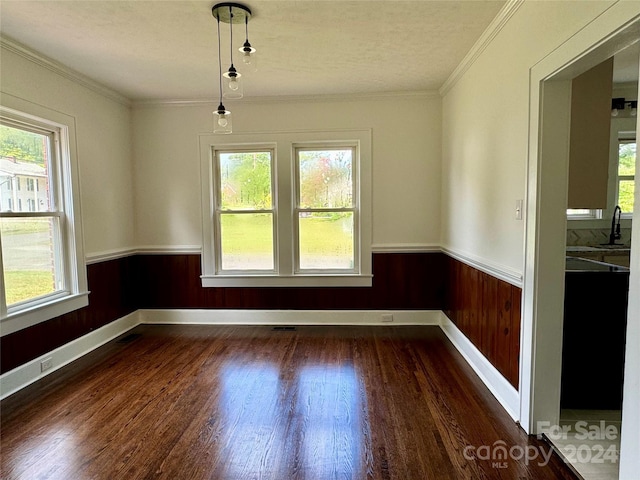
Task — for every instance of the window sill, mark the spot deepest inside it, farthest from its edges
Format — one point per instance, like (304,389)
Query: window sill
(42,312)
(287,281)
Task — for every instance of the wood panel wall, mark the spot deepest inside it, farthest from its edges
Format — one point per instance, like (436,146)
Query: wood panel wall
(112,296)
(487,310)
(409,281)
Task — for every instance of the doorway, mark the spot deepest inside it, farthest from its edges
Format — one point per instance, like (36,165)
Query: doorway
(543,292)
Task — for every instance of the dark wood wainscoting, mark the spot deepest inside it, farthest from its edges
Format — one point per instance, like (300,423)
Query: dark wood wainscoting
(400,281)
(487,310)
(112,296)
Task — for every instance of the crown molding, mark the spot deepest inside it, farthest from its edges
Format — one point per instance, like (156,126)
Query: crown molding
(481,44)
(62,70)
(344,97)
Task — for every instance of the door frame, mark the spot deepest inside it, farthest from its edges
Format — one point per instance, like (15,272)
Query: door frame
(545,228)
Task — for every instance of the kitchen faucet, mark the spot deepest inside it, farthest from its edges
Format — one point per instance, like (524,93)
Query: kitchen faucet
(615,227)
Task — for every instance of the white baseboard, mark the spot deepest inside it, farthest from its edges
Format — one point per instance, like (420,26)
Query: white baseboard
(20,377)
(504,392)
(290,317)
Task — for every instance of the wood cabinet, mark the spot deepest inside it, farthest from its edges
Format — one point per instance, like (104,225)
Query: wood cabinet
(595,321)
(590,137)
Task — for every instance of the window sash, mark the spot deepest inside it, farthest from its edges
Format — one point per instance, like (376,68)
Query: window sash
(60,271)
(220,212)
(622,178)
(353,209)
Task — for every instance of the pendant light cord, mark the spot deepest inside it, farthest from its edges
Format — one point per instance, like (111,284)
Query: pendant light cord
(231,35)
(219,59)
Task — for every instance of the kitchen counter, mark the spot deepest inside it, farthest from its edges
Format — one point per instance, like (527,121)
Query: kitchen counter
(578,264)
(614,254)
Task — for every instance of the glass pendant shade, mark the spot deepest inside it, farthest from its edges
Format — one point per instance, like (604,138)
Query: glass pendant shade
(249,59)
(222,120)
(232,84)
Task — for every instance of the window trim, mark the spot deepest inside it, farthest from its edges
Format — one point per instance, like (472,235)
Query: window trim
(65,173)
(284,201)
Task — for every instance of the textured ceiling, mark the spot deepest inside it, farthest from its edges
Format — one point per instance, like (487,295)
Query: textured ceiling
(168,49)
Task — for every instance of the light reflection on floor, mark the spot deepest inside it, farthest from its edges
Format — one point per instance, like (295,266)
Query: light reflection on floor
(55,448)
(326,437)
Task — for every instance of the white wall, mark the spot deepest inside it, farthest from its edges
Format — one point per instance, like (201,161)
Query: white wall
(406,161)
(103,132)
(485,133)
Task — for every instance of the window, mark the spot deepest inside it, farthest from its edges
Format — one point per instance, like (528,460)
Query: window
(245,212)
(326,214)
(42,261)
(293,210)
(626,175)
(583,214)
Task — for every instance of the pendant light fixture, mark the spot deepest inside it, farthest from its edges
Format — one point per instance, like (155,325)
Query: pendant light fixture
(222,116)
(233,89)
(248,52)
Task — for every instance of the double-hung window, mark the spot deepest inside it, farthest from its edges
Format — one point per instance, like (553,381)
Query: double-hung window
(291,210)
(41,257)
(326,213)
(244,213)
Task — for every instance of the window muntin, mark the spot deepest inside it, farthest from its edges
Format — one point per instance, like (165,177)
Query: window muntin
(326,212)
(626,175)
(245,212)
(41,259)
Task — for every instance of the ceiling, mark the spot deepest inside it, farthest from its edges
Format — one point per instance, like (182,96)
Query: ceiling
(160,50)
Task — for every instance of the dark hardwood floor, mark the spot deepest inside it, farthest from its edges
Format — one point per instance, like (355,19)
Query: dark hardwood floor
(207,402)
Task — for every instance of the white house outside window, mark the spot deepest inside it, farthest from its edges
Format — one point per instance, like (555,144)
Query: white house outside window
(42,262)
(292,210)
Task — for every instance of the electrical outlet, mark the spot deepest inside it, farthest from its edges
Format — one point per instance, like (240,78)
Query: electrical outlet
(387,317)
(46,364)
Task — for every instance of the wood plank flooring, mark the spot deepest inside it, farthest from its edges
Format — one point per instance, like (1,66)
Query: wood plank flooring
(210,402)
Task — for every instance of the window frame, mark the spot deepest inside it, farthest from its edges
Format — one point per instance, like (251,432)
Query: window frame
(284,199)
(70,255)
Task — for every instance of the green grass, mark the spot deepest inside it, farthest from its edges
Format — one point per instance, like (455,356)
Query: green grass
(625,196)
(252,233)
(23,285)
(17,226)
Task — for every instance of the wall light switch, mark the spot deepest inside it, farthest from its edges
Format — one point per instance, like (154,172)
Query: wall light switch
(518,209)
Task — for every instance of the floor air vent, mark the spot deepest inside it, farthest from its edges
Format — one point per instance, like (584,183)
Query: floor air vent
(129,338)
(283,329)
